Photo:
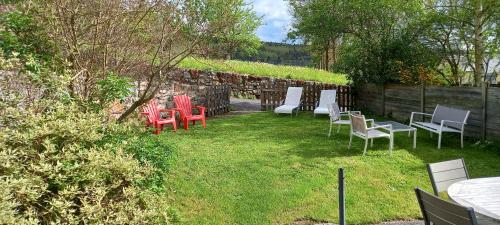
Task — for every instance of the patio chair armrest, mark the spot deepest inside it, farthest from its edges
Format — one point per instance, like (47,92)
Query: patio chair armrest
(170,111)
(418,113)
(421,113)
(201,108)
(355,112)
(372,121)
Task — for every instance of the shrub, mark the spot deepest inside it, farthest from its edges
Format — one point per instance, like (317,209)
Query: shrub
(52,172)
(58,164)
(113,87)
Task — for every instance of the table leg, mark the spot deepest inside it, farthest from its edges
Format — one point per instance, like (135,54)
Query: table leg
(391,143)
(415,139)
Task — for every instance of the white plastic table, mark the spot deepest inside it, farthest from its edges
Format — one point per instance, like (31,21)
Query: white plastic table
(482,194)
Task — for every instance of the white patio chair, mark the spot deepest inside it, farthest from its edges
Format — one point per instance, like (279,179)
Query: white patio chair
(327,97)
(444,174)
(292,101)
(338,117)
(444,119)
(360,129)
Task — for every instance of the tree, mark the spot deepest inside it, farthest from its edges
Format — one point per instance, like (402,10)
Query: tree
(139,38)
(472,27)
(239,34)
(321,24)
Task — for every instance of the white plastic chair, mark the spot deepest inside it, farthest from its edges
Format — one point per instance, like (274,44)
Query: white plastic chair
(327,98)
(292,101)
(338,117)
(360,129)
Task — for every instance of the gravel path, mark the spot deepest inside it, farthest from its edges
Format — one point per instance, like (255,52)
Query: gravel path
(245,105)
(411,222)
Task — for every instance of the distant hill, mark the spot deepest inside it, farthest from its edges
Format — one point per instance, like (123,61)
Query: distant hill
(279,54)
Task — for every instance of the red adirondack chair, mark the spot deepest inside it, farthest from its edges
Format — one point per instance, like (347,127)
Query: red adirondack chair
(183,104)
(153,114)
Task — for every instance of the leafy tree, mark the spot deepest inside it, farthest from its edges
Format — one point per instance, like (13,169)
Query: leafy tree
(141,39)
(461,32)
(239,35)
(321,24)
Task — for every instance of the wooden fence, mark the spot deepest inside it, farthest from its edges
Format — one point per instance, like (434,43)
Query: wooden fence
(398,101)
(274,92)
(217,100)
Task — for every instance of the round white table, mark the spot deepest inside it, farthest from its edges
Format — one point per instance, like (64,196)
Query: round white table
(482,194)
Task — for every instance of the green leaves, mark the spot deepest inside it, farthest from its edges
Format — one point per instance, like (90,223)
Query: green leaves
(113,87)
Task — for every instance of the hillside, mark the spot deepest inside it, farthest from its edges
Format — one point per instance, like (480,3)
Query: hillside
(279,54)
(264,69)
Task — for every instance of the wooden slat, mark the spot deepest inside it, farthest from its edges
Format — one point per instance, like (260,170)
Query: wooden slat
(450,175)
(434,201)
(447,165)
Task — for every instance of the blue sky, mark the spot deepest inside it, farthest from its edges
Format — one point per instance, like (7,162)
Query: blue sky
(276,19)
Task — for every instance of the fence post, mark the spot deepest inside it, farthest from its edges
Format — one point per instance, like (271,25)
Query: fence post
(383,99)
(263,96)
(484,100)
(422,99)
(341,197)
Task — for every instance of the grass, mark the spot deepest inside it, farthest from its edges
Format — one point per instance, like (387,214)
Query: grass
(264,69)
(266,169)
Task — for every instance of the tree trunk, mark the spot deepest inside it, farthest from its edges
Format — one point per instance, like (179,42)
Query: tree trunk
(327,58)
(478,42)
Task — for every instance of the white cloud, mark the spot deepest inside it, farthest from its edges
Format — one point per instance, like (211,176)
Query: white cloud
(276,18)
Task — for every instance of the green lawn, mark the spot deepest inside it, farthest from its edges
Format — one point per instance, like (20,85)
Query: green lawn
(266,169)
(264,69)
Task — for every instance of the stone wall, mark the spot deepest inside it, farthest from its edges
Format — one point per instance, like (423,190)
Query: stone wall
(195,83)
(242,85)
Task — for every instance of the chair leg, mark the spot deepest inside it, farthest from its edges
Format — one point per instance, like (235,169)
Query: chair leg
(350,141)
(203,123)
(439,140)
(430,134)
(338,128)
(330,131)
(194,122)
(366,146)
(462,139)
(371,144)
(174,125)
(186,124)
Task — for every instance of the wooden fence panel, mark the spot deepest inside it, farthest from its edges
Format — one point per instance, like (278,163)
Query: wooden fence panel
(370,97)
(398,101)
(273,93)
(218,100)
(493,112)
(467,98)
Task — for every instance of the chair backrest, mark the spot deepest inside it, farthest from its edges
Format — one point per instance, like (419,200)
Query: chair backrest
(334,111)
(358,123)
(441,212)
(444,174)
(152,109)
(293,96)
(327,97)
(183,102)
(447,113)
